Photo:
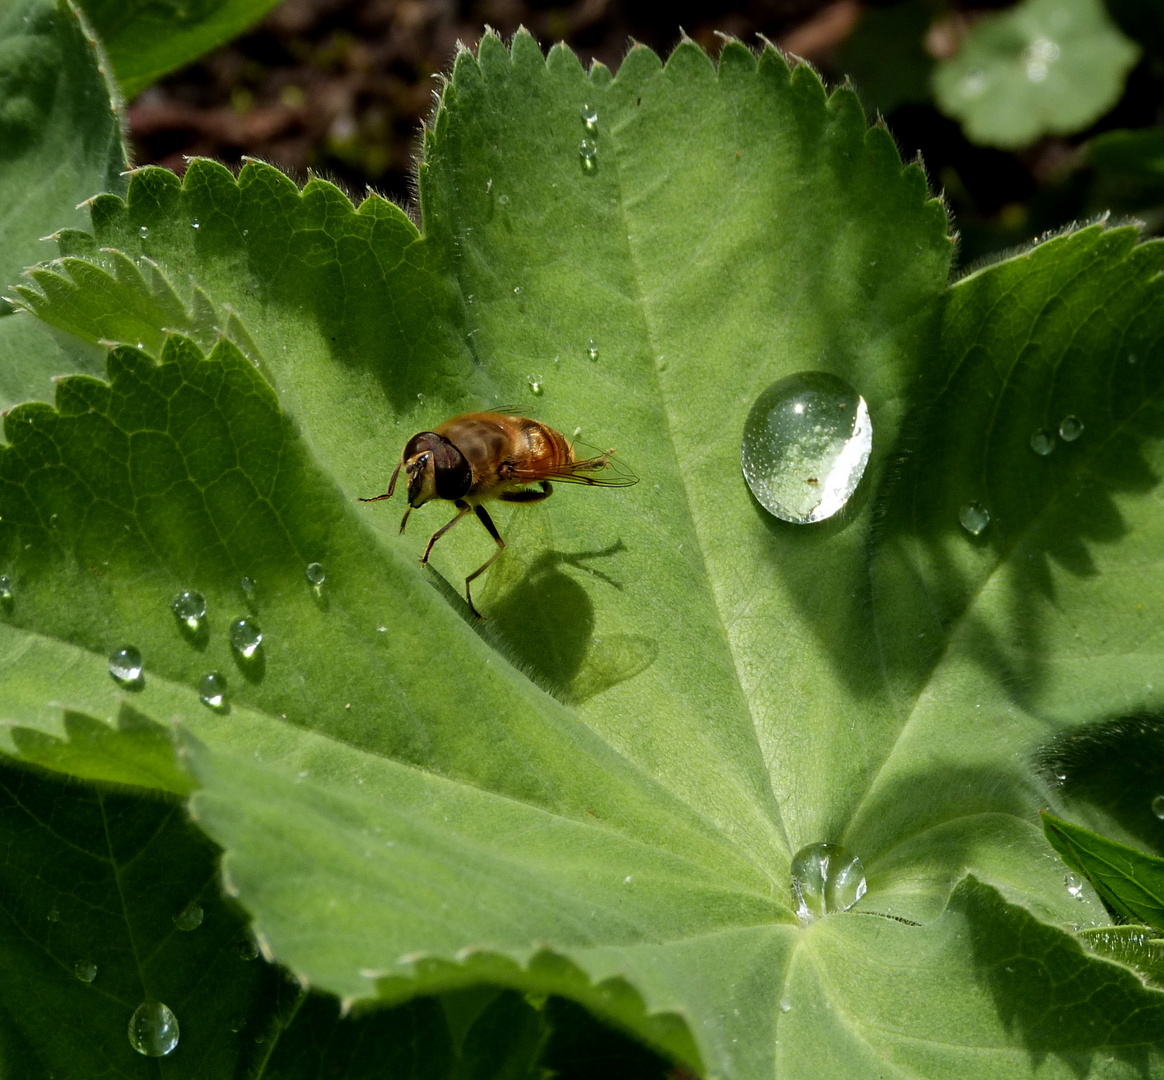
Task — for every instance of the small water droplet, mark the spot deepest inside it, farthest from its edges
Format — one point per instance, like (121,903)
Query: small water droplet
(592,349)
(54,915)
(190,608)
(125,665)
(1158,806)
(1060,775)
(237,1022)
(517,290)
(589,115)
(143,232)
(315,574)
(785,1004)
(420,397)
(153,1029)
(190,917)
(246,636)
(5,588)
(1074,885)
(85,970)
(628,879)
(247,948)
(588,155)
(974,518)
(194,225)
(1070,428)
(536,384)
(1042,442)
(470,299)
(503,200)
(55,519)
(248,587)
(825,878)
(806,442)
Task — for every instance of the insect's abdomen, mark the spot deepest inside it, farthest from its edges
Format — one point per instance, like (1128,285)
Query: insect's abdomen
(505,451)
(539,448)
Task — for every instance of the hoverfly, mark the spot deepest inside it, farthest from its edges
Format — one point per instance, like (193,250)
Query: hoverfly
(479,456)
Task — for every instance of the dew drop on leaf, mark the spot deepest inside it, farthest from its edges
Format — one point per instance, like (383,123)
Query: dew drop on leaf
(143,232)
(190,917)
(315,574)
(190,608)
(589,115)
(125,665)
(5,589)
(1070,428)
(1074,885)
(974,518)
(85,970)
(247,948)
(588,155)
(806,443)
(592,349)
(825,878)
(503,200)
(537,385)
(194,225)
(54,915)
(1158,806)
(1042,442)
(786,1004)
(248,587)
(246,636)
(153,1029)
(517,290)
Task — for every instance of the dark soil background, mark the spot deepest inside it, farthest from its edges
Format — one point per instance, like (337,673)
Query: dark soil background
(341,88)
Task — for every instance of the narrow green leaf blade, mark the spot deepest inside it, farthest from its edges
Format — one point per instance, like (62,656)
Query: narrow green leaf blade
(1130,881)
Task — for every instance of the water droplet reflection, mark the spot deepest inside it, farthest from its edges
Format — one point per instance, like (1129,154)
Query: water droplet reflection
(153,1029)
(190,917)
(1042,442)
(125,665)
(974,518)
(245,637)
(825,879)
(190,608)
(806,443)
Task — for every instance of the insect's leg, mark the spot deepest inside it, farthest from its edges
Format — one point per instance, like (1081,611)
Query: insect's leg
(462,510)
(404,520)
(491,529)
(388,493)
(529,496)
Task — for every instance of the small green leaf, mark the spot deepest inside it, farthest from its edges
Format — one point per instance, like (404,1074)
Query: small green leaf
(60,143)
(147,38)
(1136,946)
(1042,67)
(1131,882)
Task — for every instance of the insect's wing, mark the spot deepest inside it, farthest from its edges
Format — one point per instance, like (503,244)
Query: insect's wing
(583,471)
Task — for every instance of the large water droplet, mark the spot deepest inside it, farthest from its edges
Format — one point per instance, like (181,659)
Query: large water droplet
(588,155)
(153,1029)
(1074,885)
(315,574)
(974,518)
(806,443)
(5,589)
(537,384)
(1042,442)
(212,689)
(189,608)
(592,349)
(125,665)
(246,636)
(1070,428)
(190,917)
(1158,806)
(85,970)
(825,878)
(589,115)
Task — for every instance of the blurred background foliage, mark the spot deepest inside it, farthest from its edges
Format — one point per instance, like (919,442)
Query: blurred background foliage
(1028,116)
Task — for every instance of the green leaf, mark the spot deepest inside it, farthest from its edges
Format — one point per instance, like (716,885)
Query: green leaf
(90,884)
(1131,882)
(597,791)
(1042,67)
(147,38)
(60,143)
(1135,946)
